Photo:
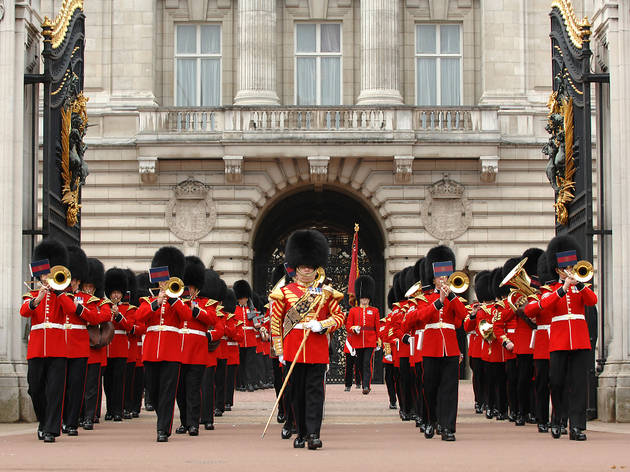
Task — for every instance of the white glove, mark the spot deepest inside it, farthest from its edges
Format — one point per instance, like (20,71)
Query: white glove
(357,329)
(315,326)
(388,357)
(281,359)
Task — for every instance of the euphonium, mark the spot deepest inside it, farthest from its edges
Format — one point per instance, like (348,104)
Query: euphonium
(521,282)
(174,287)
(486,329)
(582,271)
(458,282)
(59,278)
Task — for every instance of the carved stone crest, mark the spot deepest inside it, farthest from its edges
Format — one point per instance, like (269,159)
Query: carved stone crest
(446,212)
(191,212)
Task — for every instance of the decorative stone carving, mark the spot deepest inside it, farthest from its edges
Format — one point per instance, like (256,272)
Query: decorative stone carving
(318,166)
(403,169)
(233,168)
(191,212)
(489,168)
(147,166)
(1,10)
(318,9)
(446,212)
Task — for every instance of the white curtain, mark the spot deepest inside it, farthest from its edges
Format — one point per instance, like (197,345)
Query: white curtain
(331,38)
(449,39)
(306,41)
(210,82)
(210,39)
(425,39)
(331,81)
(426,92)
(186,82)
(306,91)
(450,82)
(186,39)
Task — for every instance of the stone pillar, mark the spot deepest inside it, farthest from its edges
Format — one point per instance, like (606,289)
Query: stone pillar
(379,53)
(613,395)
(257,53)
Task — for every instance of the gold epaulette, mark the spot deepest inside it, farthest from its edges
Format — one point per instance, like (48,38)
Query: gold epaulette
(240,322)
(30,294)
(277,294)
(219,312)
(463,300)
(500,303)
(421,297)
(106,301)
(132,307)
(337,295)
(266,306)
(146,299)
(230,316)
(93,299)
(546,287)
(69,294)
(211,302)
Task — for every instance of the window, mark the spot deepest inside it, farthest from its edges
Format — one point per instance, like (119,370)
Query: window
(198,65)
(318,64)
(438,65)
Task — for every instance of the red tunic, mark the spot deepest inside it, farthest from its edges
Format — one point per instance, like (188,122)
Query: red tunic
(216,330)
(162,341)
(540,338)
(569,330)
(399,320)
(383,335)
(77,336)
(119,347)
(494,313)
(247,327)
(47,336)
(233,335)
(368,321)
(194,342)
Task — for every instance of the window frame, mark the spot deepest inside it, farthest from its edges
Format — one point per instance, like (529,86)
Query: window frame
(318,55)
(438,69)
(198,56)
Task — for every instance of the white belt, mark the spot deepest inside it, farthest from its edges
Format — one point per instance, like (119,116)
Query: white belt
(73,326)
(567,317)
(532,341)
(249,327)
(539,327)
(420,333)
(163,328)
(192,331)
(47,325)
(232,343)
(120,331)
(440,325)
(139,343)
(511,331)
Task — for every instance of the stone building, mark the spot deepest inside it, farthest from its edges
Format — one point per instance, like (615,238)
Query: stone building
(221,125)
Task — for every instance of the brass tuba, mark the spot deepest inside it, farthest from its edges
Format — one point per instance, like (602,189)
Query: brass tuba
(458,282)
(521,282)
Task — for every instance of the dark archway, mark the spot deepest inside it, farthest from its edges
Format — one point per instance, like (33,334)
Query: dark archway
(334,213)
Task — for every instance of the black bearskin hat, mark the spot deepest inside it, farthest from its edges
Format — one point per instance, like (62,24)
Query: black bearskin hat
(95,275)
(494,275)
(545,275)
(395,287)
(390,298)
(195,272)
(436,254)
(417,269)
(77,263)
(483,286)
(306,247)
(277,274)
(132,287)
(115,279)
(364,287)
(142,285)
(497,278)
(242,289)
(172,258)
(405,281)
(564,242)
(229,303)
(531,266)
(213,287)
(53,250)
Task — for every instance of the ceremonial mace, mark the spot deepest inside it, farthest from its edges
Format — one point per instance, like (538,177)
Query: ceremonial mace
(326,295)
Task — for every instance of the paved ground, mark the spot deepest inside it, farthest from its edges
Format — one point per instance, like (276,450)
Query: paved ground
(359,434)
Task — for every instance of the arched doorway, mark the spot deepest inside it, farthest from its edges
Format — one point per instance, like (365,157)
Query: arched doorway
(334,213)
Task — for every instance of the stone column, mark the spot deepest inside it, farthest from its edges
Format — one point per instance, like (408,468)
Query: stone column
(379,53)
(257,53)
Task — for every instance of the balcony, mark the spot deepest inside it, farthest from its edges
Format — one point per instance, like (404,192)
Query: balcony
(317,123)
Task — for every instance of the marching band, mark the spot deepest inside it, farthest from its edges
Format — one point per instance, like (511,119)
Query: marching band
(187,340)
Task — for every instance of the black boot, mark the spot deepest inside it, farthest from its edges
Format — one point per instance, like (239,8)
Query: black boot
(109,416)
(72,431)
(429,431)
(576,434)
(392,406)
(218,412)
(520,421)
(314,442)
(181,430)
(162,436)
(148,407)
(209,426)
(447,435)
(542,428)
(478,409)
(347,389)
(49,438)
(286,432)
(555,432)
(280,418)
(193,431)
(299,442)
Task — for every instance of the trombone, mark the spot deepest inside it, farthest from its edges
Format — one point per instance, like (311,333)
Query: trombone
(458,282)
(582,271)
(58,278)
(173,288)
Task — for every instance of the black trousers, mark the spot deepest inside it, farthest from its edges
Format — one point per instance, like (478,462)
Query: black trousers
(307,391)
(220,377)
(365,356)
(287,397)
(162,380)
(91,393)
(497,393)
(278,379)
(114,384)
(477,379)
(569,369)
(405,386)
(351,369)
(230,383)
(46,378)
(189,394)
(441,379)
(511,370)
(525,364)
(419,391)
(207,395)
(390,382)
(541,382)
(247,366)
(75,385)
(130,376)
(138,388)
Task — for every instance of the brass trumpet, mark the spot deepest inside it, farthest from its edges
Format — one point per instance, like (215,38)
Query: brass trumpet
(58,278)
(174,287)
(582,271)
(458,282)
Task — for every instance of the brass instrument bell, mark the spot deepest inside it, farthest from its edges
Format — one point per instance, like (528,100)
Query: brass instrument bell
(458,282)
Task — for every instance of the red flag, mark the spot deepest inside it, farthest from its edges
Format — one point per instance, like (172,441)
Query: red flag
(354,264)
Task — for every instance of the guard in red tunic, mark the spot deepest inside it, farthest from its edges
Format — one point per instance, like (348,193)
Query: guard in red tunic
(304,312)
(77,338)
(245,312)
(569,341)
(46,352)
(133,334)
(228,356)
(162,352)
(441,316)
(364,322)
(142,286)
(391,376)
